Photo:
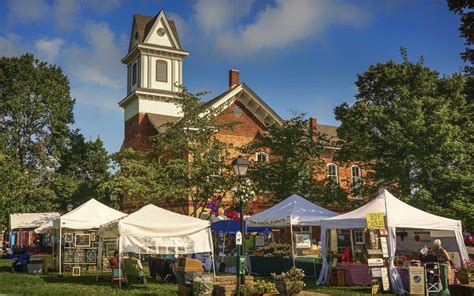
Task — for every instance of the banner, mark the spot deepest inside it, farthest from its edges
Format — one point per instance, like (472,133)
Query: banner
(375,220)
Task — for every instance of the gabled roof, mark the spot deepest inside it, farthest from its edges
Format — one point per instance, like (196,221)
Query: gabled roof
(158,120)
(144,24)
(329,130)
(250,100)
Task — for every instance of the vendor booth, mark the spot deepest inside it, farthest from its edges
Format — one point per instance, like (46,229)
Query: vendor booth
(295,211)
(153,230)
(22,228)
(77,232)
(385,233)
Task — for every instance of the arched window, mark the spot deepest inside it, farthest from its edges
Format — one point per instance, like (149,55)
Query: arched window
(261,157)
(161,71)
(356,176)
(333,176)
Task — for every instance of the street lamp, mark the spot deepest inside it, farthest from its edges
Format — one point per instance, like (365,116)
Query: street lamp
(240,165)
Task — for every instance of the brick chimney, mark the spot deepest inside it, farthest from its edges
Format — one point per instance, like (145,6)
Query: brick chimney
(313,122)
(234,79)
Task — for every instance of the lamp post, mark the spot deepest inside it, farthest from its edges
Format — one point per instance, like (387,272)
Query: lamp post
(240,165)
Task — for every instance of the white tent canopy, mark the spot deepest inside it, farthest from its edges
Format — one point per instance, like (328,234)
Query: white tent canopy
(31,220)
(89,215)
(295,210)
(158,231)
(398,215)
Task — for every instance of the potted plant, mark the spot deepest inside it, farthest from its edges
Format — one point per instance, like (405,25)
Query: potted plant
(466,274)
(289,283)
(203,286)
(258,288)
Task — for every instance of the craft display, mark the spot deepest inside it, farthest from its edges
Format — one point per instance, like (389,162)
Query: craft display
(91,256)
(82,240)
(69,238)
(302,240)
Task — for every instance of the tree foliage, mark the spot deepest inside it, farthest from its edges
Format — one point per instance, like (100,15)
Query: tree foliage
(186,164)
(414,130)
(296,151)
(43,164)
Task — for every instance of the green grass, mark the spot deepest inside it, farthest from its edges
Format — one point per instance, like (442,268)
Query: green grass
(86,284)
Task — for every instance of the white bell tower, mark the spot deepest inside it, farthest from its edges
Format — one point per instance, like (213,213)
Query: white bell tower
(154,67)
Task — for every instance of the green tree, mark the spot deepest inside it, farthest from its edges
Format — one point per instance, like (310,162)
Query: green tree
(296,151)
(413,129)
(186,164)
(36,109)
(82,167)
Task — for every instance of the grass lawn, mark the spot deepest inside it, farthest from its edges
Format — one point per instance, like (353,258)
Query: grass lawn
(86,284)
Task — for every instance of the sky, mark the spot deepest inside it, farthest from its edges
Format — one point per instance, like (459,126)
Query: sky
(297,55)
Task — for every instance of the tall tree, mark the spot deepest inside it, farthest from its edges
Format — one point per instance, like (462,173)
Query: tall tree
(36,109)
(186,164)
(465,9)
(296,151)
(414,129)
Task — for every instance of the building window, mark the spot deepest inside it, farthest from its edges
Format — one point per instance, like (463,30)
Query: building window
(332,173)
(355,175)
(359,237)
(305,229)
(261,157)
(161,71)
(134,74)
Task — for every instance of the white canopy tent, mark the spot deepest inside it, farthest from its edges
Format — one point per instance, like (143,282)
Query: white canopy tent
(90,215)
(153,230)
(295,210)
(31,220)
(398,215)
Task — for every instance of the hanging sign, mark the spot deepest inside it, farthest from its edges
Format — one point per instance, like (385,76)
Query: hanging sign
(375,220)
(238,238)
(385,281)
(383,242)
(375,262)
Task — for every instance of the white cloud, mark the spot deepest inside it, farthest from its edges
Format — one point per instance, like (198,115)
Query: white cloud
(48,48)
(218,15)
(275,26)
(99,62)
(65,13)
(10,45)
(27,10)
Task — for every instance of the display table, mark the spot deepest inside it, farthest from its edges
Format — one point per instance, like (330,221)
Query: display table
(405,276)
(355,274)
(46,259)
(266,265)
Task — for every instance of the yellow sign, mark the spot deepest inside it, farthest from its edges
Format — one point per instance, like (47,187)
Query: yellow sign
(375,220)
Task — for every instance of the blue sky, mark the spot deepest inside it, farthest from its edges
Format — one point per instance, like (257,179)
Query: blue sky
(298,55)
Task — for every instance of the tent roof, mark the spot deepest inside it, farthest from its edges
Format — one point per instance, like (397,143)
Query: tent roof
(296,208)
(31,220)
(399,214)
(89,215)
(153,221)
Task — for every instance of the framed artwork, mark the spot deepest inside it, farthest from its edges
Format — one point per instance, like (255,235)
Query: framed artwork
(259,240)
(82,240)
(91,256)
(68,256)
(302,240)
(110,249)
(95,245)
(79,256)
(76,271)
(69,237)
(93,238)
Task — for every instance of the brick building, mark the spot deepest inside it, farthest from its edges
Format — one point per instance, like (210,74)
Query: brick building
(154,68)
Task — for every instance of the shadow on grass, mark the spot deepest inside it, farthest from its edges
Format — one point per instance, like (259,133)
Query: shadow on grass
(81,280)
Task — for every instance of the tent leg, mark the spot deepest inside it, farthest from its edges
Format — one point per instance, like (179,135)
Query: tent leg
(292,244)
(120,262)
(352,242)
(60,248)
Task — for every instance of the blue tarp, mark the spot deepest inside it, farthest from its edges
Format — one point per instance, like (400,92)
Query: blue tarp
(231,226)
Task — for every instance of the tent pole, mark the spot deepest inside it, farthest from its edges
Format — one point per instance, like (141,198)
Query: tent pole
(120,261)
(212,255)
(352,242)
(60,247)
(292,243)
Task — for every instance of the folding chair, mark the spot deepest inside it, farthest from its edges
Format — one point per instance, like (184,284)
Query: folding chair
(433,277)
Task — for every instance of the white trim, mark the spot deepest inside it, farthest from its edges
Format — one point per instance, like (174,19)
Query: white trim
(352,175)
(162,15)
(267,157)
(337,171)
(355,237)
